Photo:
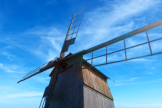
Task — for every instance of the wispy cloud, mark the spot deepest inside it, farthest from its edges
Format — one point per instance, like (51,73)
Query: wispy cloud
(101,24)
(47,45)
(10,56)
(15,95)
(11,68)
(54,42)
(23,95)
(42,79)
(128,80)
(50,41)
(45,42)
(151,73)
(43,31)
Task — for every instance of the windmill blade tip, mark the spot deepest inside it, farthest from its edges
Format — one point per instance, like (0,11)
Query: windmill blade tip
(18,82)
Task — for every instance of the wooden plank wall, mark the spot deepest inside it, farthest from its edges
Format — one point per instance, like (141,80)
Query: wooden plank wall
(92,80)
(69,89)
(51,84)
(93,99)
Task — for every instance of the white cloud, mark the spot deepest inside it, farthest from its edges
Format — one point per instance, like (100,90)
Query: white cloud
(101,24)
(13,95)
(22,95)
(151,73)
(11,68)
(50,42)
(10,56)
(42,79)
(54,42)
(132,79)
(128,80)
(43,31)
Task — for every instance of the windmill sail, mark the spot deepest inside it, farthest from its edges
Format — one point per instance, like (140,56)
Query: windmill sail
(40,69)
(72,31)
(120,38)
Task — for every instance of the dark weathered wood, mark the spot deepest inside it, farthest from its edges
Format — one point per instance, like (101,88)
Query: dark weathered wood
(79,88)
(68,92)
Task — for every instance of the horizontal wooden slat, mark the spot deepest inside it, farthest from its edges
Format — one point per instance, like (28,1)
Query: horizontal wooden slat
(95,82)
(93,99)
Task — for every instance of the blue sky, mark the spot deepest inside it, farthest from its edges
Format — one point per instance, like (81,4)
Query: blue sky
(32,33)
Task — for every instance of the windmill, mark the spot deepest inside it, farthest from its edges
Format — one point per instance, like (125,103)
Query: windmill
(75,82)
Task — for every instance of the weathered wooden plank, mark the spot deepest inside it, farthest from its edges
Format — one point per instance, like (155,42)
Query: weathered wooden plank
(94,99)
(68,86)
(91,98)
(100,100)
(95,82)
(85,92)
(70,92)
(84,75)
(105,102)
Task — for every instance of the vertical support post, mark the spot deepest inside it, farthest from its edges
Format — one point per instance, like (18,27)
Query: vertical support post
(148,42)
(125,50)
(78,63)
(43,103)
(40,103)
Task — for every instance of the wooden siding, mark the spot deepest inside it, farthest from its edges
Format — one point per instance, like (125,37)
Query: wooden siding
(69,89)
(93,99)
(95,82)
(51,85)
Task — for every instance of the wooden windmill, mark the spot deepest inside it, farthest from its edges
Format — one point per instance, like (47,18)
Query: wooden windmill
(75,83)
